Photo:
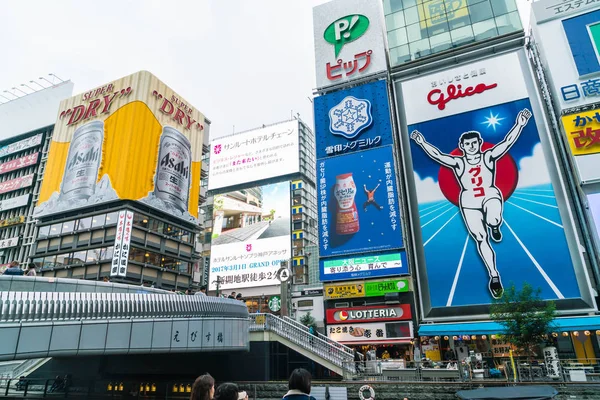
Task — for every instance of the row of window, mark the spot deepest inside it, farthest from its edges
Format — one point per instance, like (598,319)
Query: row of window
(163,228)
(106,254)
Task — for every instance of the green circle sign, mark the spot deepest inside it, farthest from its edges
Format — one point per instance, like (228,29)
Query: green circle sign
(275,303)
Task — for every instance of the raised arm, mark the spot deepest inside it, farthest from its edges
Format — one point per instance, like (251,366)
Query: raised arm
(433,152)
(511,138)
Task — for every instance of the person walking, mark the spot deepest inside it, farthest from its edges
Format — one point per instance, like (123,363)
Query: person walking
(227,391)
(13,269)
(299,385)
(203,388)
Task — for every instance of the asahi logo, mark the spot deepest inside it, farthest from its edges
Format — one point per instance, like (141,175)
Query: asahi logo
(179,167)
(84,157)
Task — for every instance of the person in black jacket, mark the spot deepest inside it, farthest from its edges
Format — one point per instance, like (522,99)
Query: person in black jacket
(299,385)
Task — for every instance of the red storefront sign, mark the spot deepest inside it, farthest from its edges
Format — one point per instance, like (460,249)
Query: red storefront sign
(368,314)
(19,163)
(17,183)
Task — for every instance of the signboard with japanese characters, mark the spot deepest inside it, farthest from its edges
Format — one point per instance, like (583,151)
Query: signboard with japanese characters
(251,237)
(567,35)
(349,40)
(14,202)
(368,314)
(352,120)
(363,266)
(357,205)
(10,242)
(121,247)
(484,177)
(16,220)
(21,145)
(254,156)
(16,184)
(356,333)
(19,163)
(583,135)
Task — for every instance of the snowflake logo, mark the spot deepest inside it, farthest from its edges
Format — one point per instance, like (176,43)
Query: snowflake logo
(217,149)
(249,247)
(350,117)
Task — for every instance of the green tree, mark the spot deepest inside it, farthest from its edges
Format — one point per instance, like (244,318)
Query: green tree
(272,212)
(528,320)
(308,320)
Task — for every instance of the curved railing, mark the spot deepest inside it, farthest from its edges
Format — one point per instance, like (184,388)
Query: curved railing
(31,307)
(47,284)
(334,352)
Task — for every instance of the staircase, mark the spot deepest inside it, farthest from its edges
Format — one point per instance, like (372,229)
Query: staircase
(329,353)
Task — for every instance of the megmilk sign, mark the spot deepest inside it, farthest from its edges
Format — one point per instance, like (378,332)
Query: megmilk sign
(349,40)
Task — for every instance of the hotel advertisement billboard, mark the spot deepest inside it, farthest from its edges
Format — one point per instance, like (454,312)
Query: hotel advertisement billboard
(250,237)
(488,195)
(131,139)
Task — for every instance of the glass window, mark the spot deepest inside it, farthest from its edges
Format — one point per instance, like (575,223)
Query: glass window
(55,229)
(440,42)
(111,218)
(420,48)
(140,220)
(501,7)
(462,35)
(414,33)
(93,255)
(409,3)
(43,231)
(485,29)
(480,12)
(39,262)
(411,15)
(397,37)
(471,2)
(49,261)
(153,258)
(508,23)
(98,220)
(394,21)
(186,237)
(399,55)
(107,253)
(390,6)
(84,223)
(62,259)
(68,227)
(137,255)
(78,257)
(440,27)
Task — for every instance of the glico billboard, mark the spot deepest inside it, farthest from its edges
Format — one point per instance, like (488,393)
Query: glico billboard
(492,208)
(134,139)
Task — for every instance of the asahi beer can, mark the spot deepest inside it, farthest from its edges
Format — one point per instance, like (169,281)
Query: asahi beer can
(172,181)
(83,162)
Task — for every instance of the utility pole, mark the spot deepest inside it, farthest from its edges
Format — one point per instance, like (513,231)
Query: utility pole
(218,282)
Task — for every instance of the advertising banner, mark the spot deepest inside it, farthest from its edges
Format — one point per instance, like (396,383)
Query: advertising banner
(16,184)
(251,236)
(349,40)
(368,314)
(370,332)
(121,247)
(15,202)
(19,163)
(253,156)
(21,145)
(545,10)
(381,288)
(19,219)
(131,139)
(358,203)
(370,288)
(583,135)
(365,266)
(352,120)
(10,242)
(486,205)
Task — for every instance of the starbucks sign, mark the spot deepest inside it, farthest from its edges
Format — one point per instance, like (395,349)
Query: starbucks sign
(275,303)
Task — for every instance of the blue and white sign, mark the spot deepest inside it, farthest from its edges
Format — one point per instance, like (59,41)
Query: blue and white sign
(363,266)
(354,119)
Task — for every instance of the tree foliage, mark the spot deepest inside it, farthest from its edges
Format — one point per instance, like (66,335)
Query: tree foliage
(308,320)
(528,320)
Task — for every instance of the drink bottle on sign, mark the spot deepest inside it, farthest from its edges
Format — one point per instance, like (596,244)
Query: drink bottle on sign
(347,213)
(83,162)
(172,182)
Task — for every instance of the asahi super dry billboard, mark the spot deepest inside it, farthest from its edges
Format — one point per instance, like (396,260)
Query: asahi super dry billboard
(133,139)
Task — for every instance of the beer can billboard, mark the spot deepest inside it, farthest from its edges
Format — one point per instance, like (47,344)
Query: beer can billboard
(491,205)
(131,139)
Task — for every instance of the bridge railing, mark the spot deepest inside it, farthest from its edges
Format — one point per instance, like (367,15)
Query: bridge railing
(56,306)
(334,352)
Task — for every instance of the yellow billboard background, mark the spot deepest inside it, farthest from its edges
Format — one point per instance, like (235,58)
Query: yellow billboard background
(583,132)
(344,291)
(434,12)
(134,110)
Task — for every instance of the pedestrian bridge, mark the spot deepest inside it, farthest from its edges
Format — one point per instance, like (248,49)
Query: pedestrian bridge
(50,317)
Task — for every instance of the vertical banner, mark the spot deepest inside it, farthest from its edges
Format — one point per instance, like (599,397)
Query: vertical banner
(114,270)
(487,208)
(124,256)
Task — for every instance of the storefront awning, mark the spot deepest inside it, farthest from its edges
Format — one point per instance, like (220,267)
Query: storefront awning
(489,327)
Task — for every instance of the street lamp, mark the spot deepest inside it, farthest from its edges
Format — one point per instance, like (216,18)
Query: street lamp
(51,74)
(14,88)
(219,281)
(28,87)
(37,84)
(42,78)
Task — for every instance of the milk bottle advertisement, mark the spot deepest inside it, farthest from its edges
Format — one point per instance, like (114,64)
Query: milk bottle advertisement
(358,203)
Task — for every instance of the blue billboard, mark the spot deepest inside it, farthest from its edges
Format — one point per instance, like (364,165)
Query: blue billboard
(352,120)
(358,203)
(370,265)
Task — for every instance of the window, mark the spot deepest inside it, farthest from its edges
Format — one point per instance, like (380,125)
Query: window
(79,257)
(98,220)
(305,303)
(485,29)
(68,227)
(43,231)
(501,7)
(62,259)
(480,12)
(84,223)
(55,229)
(111,218)
(49,261)
(140,220)
(508,23)
(137,255)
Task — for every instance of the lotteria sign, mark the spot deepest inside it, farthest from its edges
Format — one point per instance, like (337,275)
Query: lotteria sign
(368,314)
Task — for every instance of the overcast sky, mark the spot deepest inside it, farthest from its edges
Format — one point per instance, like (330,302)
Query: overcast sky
(242,63)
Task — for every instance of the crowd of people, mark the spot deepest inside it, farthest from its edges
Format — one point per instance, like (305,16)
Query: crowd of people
(15,269)
(204,388)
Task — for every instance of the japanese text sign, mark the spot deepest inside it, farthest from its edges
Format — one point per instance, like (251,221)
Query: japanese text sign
(363,266)
(19,163)
(21,145)
(370,288)
(122,244)
(349,40)
(16,184)
(352,120)
(357,203)
(370,332)
(368,314)
(583,132)
(545,10)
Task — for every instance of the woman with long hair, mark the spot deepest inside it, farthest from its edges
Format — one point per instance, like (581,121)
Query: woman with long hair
(203,388)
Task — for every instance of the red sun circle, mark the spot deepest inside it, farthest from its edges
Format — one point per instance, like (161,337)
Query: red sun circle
(507,176)
(343,315)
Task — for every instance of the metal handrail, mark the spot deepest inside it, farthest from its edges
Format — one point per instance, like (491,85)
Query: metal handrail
(12,283)
(57,306)
(321,336)
(335,353)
